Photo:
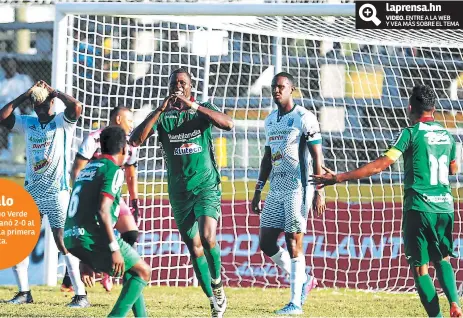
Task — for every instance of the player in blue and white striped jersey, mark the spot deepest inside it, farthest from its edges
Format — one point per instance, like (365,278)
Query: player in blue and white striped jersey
(48,147)
(292,151)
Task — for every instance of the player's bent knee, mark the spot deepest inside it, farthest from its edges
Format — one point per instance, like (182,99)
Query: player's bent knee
(197,251)
(269,249)
(419,271)
(130,237)
(143,270)
(208,241)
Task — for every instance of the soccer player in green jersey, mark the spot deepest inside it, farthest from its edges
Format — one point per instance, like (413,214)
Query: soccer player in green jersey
(428,213)
(92,213)
(184,130)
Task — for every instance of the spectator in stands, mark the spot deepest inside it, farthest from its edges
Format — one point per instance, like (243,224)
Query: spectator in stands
(12,85)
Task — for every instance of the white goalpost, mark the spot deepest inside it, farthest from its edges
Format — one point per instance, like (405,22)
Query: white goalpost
(355,81)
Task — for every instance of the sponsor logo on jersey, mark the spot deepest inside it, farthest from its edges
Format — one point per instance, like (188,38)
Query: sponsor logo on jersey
(187,149)
(39,165)
(38,140)
(74,232)
(280,132)
(280,174)
(41,145)
(32,127)
(277,158)
(446,198)
(437,138)
(276,138)
(86,175)
(184,136)
(94,165)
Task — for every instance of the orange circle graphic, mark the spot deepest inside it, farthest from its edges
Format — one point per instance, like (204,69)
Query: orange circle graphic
(19,223)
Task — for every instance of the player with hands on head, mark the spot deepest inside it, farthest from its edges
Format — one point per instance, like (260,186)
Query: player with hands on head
(91,149)
(429,154)
(93,212)
(292,151)
(185,132)
(48,147)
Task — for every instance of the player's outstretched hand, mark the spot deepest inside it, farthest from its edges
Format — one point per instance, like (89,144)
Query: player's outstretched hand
(255,204)
(118,264)
(328,178)
(87,275)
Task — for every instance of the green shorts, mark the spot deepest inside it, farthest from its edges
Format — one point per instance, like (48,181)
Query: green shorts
(427,236)
(99,257)
(187,207)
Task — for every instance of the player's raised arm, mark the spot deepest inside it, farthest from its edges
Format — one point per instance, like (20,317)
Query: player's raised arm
(399,146)
(7,118)
(264,173)
(145,129)
(216,117)
(371,168)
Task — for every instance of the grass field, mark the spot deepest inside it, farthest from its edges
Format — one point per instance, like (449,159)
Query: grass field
(242,302)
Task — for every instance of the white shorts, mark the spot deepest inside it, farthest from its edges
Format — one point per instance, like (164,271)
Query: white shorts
(55,208)
(287,210)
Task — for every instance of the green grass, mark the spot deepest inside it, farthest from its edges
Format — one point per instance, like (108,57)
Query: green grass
(242,302)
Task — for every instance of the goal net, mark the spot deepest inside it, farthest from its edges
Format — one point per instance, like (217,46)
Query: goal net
(356,81)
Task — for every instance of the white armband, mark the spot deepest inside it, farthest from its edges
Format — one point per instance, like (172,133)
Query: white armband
(114,246)
(194,106)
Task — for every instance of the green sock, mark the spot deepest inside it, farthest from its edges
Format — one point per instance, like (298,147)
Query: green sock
(447,281)
(138,308)
(213,260)
(428,295)
(202,274)
(131,291)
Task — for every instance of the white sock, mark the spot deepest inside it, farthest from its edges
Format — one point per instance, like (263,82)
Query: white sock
(283,260)
(72,264)
(20,273)
(216,281)
(298,277)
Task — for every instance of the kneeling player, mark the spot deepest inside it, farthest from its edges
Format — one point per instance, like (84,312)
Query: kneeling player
(92,213)
(91,149)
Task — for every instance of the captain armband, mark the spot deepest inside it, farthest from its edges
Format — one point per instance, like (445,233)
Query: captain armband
(393,154)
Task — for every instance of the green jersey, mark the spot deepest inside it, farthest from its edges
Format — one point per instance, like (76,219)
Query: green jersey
(427,148)
(101,177)
(186,140)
